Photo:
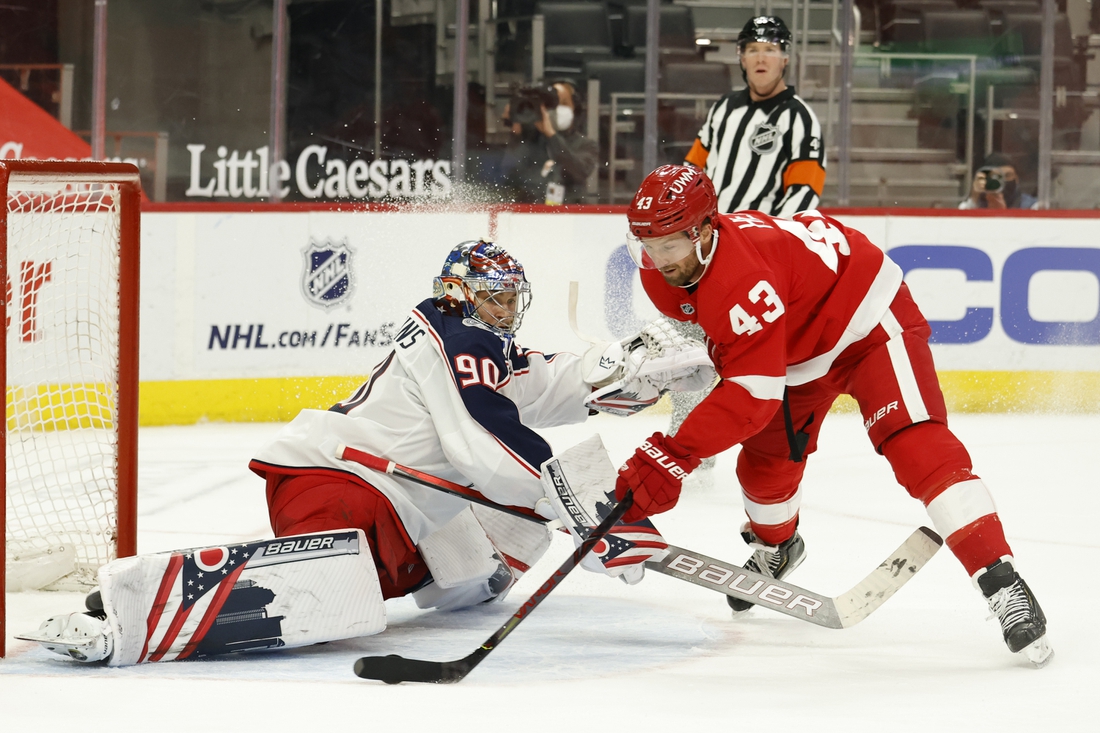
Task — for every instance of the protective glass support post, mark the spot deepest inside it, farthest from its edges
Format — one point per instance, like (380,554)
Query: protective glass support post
(834,38)
(461,97)
(593,125)
(970,102)
(652,51)
(99,82)
(795,54)
(377,79)
(1046,105)
(805,44)
(844,143)
(65,106)
(276,128)
(538,48)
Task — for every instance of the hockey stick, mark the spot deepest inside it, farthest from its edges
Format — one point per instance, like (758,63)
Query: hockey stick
(838,612)
(381,465)
(574,293)
(394,668)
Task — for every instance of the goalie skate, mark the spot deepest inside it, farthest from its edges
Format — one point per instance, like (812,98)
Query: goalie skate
(79,636)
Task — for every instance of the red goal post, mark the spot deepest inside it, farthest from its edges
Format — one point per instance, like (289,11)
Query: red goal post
(69,269)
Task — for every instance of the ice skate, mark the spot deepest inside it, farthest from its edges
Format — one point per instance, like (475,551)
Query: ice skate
(1013,604)
(79,636)
(773,561)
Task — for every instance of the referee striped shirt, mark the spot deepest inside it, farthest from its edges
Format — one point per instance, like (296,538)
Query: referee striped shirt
(767,156)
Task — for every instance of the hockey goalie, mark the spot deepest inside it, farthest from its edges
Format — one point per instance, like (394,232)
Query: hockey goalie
(456,397)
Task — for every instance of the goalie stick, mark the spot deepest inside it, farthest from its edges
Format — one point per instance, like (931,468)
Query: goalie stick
(395,669)
(838,612)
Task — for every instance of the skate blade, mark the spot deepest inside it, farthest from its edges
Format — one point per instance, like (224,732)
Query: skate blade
(81,642)
(1039,652)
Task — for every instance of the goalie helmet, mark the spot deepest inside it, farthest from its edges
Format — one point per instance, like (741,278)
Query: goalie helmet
(765,29)
(476,267)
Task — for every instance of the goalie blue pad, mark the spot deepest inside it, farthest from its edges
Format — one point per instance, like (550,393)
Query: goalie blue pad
(283,592)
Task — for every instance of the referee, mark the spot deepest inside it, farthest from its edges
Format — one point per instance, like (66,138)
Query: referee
(761,146)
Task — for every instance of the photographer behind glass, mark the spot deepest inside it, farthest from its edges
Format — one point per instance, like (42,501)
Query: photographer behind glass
(547,160)
(996,186)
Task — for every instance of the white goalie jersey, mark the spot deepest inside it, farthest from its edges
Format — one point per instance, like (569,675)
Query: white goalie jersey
(453,399)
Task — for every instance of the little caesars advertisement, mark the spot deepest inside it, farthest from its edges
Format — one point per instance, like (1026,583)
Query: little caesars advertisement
(315,174)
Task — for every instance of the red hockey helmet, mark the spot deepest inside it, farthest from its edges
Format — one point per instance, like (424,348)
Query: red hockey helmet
(673,198)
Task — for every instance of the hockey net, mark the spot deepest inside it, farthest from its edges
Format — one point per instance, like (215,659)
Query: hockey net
(68,256)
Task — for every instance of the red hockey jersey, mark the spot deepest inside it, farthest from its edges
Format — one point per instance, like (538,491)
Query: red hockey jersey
(779,302)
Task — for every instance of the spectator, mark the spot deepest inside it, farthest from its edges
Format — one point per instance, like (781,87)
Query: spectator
(547,160)
(997,186)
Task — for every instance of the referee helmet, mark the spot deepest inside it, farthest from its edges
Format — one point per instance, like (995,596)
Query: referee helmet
(765,29)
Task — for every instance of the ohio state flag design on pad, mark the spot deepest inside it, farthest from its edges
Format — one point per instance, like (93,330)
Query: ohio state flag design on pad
(283,592)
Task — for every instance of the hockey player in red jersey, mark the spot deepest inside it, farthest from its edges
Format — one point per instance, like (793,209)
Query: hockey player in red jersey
(797,312)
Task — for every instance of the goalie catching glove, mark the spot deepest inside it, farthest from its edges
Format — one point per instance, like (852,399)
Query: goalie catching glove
(655,473)
(632,374)
(578,485)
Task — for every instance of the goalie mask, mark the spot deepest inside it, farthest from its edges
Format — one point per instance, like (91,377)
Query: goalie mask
(481,281)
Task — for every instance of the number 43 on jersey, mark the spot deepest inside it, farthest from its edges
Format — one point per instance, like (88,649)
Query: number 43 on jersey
(743,322)
(821,238)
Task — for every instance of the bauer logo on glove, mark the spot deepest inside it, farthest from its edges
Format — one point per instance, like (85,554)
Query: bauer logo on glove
(667,462)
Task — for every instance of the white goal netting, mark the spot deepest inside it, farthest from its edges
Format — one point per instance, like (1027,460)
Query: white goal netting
(61,486)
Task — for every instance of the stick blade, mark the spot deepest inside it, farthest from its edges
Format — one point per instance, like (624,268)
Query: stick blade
(394,669)
(885,580)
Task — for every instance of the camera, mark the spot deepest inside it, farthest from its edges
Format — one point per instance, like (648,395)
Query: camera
(525,107)
(994,180)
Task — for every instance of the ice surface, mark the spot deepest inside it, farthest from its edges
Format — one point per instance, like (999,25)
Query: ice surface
(660,656)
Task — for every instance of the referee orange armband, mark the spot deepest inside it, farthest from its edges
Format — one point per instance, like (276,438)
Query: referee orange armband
(697,156)
(805,172)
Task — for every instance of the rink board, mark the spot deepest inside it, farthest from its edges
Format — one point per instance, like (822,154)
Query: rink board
(252,316)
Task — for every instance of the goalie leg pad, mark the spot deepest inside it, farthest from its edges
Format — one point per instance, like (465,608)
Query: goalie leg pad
(478,556)
(459,553)
(284,592)
(520,542)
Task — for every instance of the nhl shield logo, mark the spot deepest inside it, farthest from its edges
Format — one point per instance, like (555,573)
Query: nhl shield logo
(327,279)
(764,139)
(687,308)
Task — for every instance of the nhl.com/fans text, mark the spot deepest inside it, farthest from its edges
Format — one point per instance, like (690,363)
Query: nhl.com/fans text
(242,336)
